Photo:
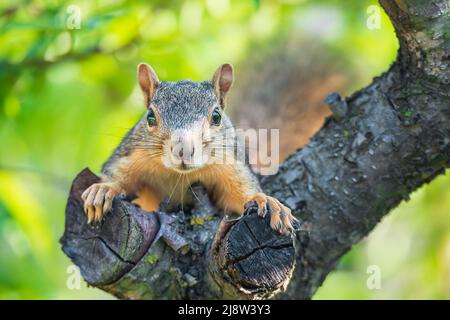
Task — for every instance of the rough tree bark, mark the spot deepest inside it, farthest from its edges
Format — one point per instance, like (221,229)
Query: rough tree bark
(382,143)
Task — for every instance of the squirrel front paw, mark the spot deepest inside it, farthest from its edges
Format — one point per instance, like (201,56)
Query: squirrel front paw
(281,218)
(98,199)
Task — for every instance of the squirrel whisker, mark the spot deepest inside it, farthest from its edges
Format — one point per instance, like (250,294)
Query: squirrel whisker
(173,190)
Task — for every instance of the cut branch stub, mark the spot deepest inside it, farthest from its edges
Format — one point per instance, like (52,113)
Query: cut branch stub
(105,253)
(250,260)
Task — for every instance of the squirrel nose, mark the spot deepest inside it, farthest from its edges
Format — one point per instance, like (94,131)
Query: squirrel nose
(186,150)
(183,151)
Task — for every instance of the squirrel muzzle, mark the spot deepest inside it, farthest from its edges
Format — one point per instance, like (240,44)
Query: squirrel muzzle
(183,151)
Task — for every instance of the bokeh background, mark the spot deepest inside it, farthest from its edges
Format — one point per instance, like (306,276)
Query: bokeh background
(67,96)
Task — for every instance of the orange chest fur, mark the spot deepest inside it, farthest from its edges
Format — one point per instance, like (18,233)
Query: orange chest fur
(150,179)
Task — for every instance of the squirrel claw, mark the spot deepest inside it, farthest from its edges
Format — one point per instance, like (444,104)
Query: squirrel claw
(98,201)
(281,218)
(260,200)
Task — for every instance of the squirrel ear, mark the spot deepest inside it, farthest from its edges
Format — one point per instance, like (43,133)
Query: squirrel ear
(222,81)
(148,81)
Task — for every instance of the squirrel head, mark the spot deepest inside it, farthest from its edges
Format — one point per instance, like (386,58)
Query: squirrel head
(185,119)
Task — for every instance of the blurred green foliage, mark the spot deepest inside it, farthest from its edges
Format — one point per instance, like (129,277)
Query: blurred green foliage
(68,95)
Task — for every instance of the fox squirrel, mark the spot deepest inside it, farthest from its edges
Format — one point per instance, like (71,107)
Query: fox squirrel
(165,152)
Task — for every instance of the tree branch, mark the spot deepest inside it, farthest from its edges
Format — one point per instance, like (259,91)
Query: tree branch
(394,138)
(139,255)
(385,141)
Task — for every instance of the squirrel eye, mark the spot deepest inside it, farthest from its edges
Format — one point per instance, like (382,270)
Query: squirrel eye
(216,117)
(151,118)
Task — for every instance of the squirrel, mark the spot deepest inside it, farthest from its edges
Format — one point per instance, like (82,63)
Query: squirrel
(164,153)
